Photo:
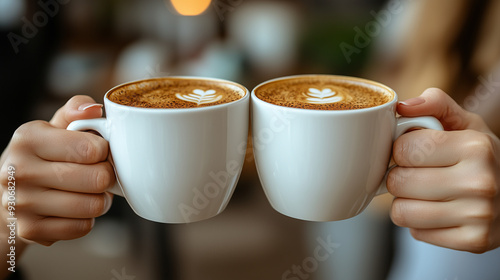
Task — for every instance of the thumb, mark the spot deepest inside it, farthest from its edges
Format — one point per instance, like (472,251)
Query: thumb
(77,108)
(435,102)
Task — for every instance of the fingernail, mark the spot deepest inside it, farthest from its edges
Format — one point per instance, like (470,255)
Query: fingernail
(413,101)
(86,106)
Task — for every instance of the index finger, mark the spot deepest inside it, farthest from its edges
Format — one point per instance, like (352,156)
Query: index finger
(78,107)
(60,145)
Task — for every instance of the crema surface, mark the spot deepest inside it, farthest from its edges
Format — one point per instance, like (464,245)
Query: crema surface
(176,93)
(322,93)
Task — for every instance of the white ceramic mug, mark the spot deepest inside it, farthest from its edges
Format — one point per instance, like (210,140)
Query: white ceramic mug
(175,165)
(326,165)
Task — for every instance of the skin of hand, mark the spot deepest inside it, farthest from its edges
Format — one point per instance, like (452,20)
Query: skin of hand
(446,183)
(61,177)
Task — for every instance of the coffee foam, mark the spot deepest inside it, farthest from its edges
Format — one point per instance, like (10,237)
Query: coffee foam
(322,93)
(176,93)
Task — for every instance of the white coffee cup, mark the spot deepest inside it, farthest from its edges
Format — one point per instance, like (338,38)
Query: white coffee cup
(175,165)
(326,165)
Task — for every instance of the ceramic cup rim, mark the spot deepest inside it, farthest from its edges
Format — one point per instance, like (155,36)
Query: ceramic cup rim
(246,95)
(356,80)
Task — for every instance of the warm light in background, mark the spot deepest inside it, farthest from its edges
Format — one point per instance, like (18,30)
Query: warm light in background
(190,7)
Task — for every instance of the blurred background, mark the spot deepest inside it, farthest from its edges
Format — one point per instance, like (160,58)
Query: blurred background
(51,50)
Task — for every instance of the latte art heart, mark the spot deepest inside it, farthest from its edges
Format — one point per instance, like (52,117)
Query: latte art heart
(322,92)
(316,96)
(176,92)
(200,96)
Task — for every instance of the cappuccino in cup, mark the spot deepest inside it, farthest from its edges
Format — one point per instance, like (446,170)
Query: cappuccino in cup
(322,143)
(175,144)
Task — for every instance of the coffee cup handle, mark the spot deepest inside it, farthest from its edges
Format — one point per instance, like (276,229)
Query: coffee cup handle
(101,126)
(403,125)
